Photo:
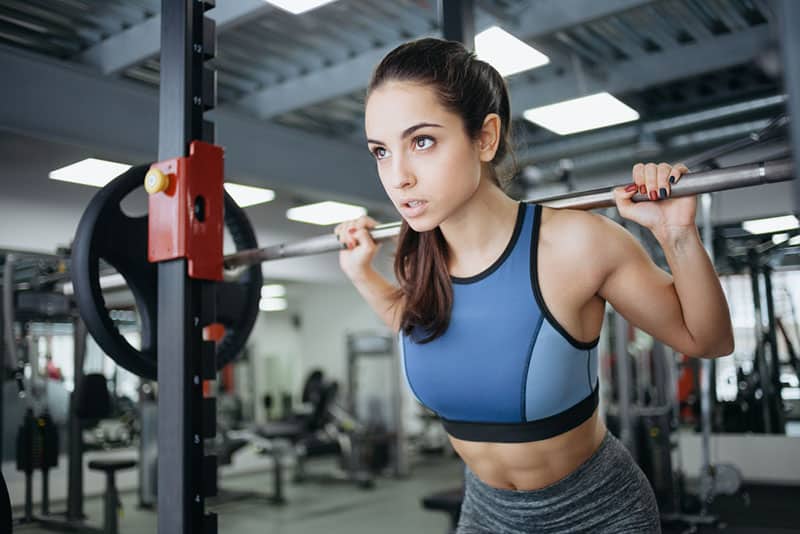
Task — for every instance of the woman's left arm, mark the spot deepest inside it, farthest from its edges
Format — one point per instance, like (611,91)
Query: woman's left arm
(688,310)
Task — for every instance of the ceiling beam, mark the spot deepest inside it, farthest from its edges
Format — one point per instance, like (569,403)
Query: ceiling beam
(648,70)
(117,117)
(139,43)
(541,18)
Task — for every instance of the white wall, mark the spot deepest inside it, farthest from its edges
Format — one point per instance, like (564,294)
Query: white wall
(276,359)
(760,458)
(326,314)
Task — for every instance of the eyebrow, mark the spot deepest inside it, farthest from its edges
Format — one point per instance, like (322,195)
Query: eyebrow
(408,131)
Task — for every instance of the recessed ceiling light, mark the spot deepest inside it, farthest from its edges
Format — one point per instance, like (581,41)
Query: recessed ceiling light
(780,238)
(273,290)
(272,304)
(581,114)
(299,6)
(506,53)
(247,195)
(324,213)
(91,171)
(771,224)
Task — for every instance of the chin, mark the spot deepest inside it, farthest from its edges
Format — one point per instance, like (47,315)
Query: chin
(422,224)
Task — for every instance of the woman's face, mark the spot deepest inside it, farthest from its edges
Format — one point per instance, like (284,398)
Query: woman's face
(427,164)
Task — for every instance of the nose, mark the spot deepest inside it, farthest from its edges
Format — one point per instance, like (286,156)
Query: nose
(402,175)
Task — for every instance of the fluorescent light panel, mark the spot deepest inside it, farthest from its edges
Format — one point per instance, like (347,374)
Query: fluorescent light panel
(506,53)
(780,238)
(771,224)
(247,195)
(298,6)
(90,171)
(273,291)
(581,114)
(99,172)
(272,304)
(324,213)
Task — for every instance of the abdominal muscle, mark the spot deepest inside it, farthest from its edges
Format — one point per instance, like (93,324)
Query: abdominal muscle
(532,465)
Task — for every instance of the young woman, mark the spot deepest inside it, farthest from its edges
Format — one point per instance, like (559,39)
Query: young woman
(500,303)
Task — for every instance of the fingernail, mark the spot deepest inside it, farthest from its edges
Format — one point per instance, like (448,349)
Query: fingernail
(630,188)
(653,195)
(662,193)
(643,189)
(672,179)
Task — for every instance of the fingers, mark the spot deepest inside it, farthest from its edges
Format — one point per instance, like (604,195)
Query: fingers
(364,239)
(655,181)
(663,174)
(638,179)
(348,232)
(651,180)
(677,171)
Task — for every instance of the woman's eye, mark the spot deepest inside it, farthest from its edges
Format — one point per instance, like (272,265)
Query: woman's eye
(379,152)
(423,142)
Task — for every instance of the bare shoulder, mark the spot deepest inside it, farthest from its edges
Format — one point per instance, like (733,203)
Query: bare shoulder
(578,227)
(575,235)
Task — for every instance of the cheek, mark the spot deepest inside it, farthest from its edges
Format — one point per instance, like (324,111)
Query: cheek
(462,171)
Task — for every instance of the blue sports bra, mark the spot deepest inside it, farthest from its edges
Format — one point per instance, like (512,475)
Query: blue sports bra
(504,370)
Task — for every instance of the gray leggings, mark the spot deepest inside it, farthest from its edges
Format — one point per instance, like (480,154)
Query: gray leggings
(607,493)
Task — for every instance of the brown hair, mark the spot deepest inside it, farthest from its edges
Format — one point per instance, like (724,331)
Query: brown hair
(471,89)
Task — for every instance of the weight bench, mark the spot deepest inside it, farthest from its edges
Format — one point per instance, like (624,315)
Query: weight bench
(446,501)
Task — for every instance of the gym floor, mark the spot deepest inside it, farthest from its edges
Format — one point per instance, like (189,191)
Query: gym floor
(393,506)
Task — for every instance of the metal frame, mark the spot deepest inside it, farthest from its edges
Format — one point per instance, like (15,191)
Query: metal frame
(788,16)
(183,307)
(458,21)
(75,428)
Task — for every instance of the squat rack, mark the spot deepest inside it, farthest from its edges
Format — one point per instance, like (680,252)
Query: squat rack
(185,305)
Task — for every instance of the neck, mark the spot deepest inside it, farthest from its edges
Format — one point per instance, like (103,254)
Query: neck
(484,223)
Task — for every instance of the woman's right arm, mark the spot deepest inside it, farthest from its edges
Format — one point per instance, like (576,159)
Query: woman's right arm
(356,263)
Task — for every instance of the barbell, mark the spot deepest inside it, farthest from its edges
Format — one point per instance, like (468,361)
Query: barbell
(764,172)
(106,233)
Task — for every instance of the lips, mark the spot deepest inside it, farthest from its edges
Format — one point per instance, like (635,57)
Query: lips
(413,207)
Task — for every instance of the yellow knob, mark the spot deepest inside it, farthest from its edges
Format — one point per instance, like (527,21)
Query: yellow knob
(155,181)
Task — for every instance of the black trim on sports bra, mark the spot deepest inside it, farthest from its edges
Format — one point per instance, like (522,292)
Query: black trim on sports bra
(537,291)
(537,430)
(499,261)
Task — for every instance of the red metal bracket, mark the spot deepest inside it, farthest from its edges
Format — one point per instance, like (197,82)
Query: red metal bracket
(185,220)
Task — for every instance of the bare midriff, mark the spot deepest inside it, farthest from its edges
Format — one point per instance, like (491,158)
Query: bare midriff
(532,465)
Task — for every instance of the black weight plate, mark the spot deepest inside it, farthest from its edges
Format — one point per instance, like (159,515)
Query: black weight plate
(106,232)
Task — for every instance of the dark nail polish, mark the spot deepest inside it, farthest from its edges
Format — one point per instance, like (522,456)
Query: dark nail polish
(662,193)
(653,195)
(630,188)
(672,179)
(643,189)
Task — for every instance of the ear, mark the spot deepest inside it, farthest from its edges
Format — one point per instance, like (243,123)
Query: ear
(489,138)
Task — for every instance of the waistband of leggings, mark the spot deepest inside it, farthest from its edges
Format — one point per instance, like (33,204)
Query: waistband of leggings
(605,449)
